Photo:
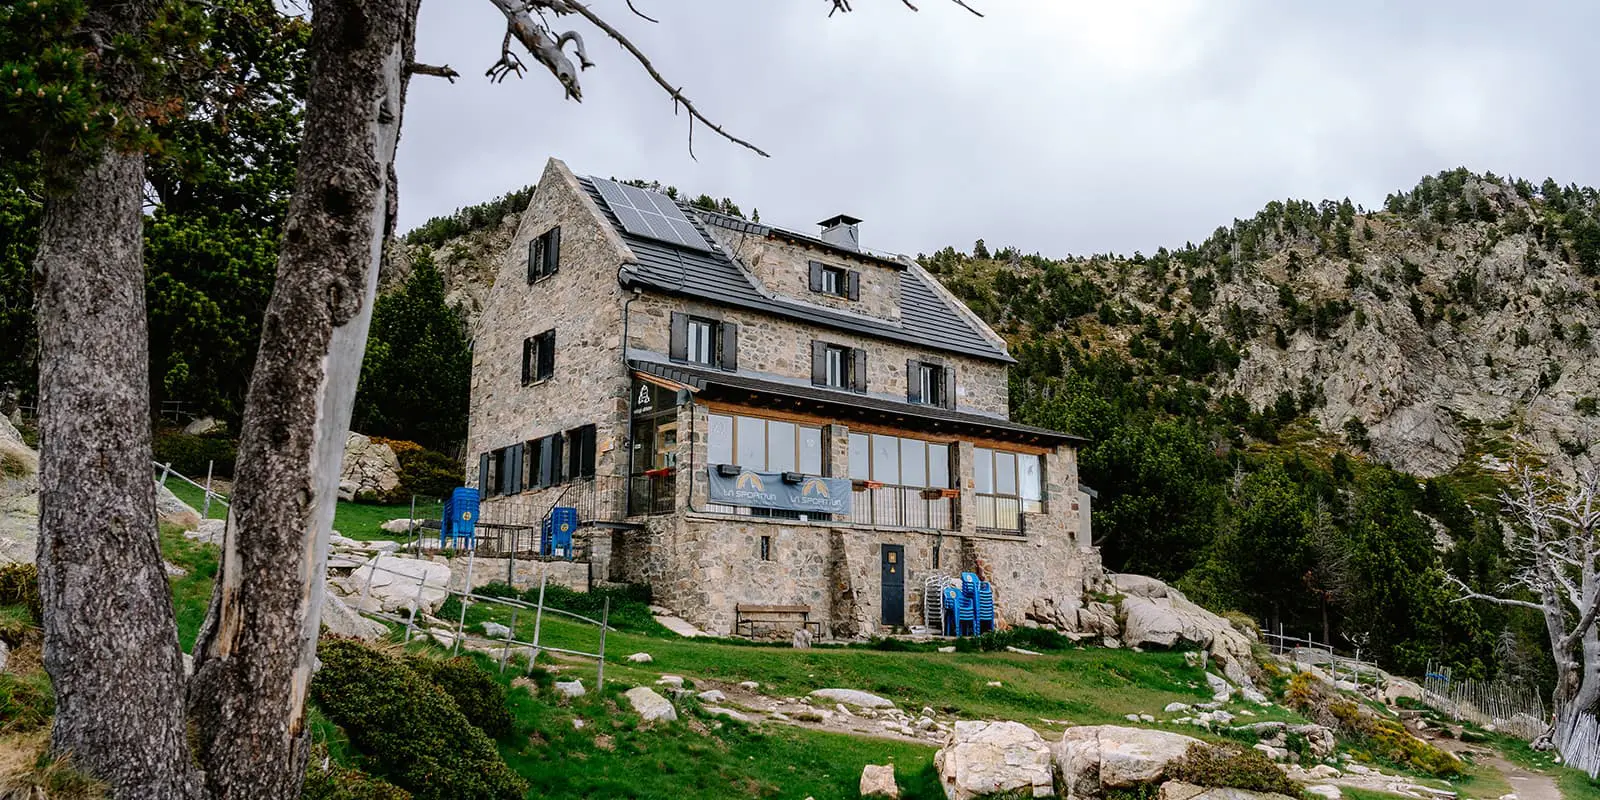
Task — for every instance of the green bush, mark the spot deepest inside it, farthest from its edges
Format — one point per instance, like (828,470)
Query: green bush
(328,781)
(428,473)
(1025,638)
(191,455)
(1223,767)
(412,732)
(630,605)
(481,700)
(19,586)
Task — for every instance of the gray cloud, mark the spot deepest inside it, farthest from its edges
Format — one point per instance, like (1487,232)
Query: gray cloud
(1055,126)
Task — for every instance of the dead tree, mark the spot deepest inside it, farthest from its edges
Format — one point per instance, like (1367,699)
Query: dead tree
(1554,540)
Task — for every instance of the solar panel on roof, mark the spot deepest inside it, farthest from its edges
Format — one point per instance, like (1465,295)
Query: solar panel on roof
(650,214)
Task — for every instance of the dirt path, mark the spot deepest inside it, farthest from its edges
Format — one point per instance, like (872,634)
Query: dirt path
(1526,784)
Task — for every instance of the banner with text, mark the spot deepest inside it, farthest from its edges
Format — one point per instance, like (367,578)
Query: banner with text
(768,490)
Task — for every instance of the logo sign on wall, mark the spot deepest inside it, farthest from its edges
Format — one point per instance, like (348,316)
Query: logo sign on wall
(768,490)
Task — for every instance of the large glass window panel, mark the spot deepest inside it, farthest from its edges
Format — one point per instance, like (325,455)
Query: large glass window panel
(1030,487)
(752,443)
(885,458)
(811,451)
(913,462)
(719,441)
(780,446)
(860,457)
(983,470)
(939,466)
(1005,473)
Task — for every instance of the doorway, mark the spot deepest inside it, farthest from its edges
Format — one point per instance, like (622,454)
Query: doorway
(893,581)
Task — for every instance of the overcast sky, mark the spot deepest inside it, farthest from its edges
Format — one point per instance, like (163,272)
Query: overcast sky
(1056,126)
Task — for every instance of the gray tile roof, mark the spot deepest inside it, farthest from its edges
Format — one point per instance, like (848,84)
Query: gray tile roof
(927,319)
(849,404)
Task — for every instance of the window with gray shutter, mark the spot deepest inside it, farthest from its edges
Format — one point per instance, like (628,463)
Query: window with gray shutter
(819,366)
(483,475)
(858,370)
(678,342)
(538,357)
(728,353)
(544,254)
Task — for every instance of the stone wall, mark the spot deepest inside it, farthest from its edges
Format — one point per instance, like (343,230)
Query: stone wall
(785,269)
(782,347)
(582,302)
(574,575)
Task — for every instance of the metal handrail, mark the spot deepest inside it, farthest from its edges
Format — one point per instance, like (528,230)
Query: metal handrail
(167,471)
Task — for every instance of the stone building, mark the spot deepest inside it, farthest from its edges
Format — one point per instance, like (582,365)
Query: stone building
(747,416)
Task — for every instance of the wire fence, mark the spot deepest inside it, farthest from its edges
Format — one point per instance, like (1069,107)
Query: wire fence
(166,472)
(507,643)
(1340,667)
(1505,707)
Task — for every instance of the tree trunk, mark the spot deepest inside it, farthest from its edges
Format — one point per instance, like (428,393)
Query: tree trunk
(257,647)
(110,644)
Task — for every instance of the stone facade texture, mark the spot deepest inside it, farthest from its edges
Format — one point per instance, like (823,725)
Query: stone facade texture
(699,562)
(784,269)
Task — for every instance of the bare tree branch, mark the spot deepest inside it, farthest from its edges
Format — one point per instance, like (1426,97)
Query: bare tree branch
(438,72)
(641,14)
(1468,594)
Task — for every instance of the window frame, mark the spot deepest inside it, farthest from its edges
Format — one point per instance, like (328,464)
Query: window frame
(539,358)
(701,335)
(798,433)
(836,367)
(544,255)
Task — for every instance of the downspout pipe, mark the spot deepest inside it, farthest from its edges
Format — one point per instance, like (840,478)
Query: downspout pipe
(627,437)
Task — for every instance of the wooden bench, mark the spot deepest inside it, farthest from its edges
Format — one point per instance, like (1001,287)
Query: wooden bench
(744,612)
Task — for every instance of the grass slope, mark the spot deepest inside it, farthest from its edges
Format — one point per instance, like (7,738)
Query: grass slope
(355,520)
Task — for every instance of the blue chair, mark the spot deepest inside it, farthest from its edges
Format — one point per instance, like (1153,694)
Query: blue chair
(969,584)
(985,604)
(952,601)
(460,518)
(966,616)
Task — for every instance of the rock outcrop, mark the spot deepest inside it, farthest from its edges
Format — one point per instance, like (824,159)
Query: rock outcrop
(174,511)
(1094,758)
(989,758)
(19,496)
(394,583)
(1157,615)
(370,469)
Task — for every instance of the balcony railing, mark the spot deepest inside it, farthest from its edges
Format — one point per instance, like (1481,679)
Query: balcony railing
(654,492)
(902,507)
(999,513)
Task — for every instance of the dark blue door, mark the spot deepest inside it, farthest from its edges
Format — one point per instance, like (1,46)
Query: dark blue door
(894,585)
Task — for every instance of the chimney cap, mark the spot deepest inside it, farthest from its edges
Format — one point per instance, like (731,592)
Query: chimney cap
(839,219)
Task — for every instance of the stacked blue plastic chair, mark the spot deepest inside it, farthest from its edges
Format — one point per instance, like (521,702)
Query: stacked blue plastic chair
(985,607)
(460,518)
(952,603)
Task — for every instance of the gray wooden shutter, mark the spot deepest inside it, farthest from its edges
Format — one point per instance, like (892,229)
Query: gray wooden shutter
(535,257)
(583,452)
(858,370)
(552,251)
(819,363)
(729,357)
(514,483)
(949,386)
(546,468)
(483,475)
(556,462)
(913,381)
(678,344)
(527,361)
(854,285)
(547,354)
(816,276)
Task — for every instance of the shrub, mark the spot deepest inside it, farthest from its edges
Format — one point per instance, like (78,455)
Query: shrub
(630,604)
(481,700)
(19,586)
(412,731)
(1224,767)
(327,781)
(423,472)
(191,455)
(1025,638)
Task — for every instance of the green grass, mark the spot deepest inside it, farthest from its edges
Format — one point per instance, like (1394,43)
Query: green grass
(363,520)
(191,593)
(1081,686)
(697,756)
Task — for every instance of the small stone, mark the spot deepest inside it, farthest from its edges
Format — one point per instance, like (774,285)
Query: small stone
(853,697)
(749,685)
(640,658)
(712,696)
(651,706)
(927,711)
(948,649)
(572,688)
(1175,708)
(1146,718)
(924,723)
(578,724)
(994,684)
(495,630)
(1357,769)
(842,709)
(718,711)
(672,681)
(802,639)
(780,716)
(1131,717)
(1323,772)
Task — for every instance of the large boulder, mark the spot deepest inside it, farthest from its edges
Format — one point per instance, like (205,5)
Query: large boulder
(853,697)
(877,780)
(339,619)
(988,758)
(1157,615)
(19,497)
(393,583)
(1094,758)
(1397,688)
(370,468)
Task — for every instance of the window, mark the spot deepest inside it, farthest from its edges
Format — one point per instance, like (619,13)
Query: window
(1008,485)
(538,357)
(545,462)
(580,453)
(930,384)
(907,468)
(544,254)
(766,548)
(838,367)
(500,471)
(708,342)
(766,445)
(835,281)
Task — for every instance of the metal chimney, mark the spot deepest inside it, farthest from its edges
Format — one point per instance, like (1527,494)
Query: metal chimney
(842,231)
